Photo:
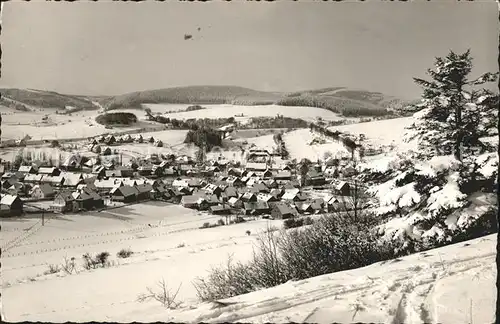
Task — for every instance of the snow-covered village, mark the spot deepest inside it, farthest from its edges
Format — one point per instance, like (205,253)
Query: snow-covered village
(371,197)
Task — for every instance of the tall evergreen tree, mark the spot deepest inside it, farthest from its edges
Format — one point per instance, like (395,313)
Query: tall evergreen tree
(453,115)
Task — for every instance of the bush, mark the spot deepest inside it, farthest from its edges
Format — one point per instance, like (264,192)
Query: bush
(99,261)
(53,268)
(163,295)
(205,225)
(308,221)
(293,222)
(331,244)
(220,222)
(124,253)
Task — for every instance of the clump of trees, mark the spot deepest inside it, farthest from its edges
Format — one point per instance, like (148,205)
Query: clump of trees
(204,137)
(194,107)
(117,118)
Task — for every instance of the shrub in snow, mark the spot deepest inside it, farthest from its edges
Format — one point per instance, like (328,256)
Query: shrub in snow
(293,222)
(124,253)
(53,268)
(162,294)
(98,261)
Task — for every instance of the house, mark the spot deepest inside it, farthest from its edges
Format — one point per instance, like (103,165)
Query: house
(144,191)
(83,200)
(125,194)
(256,208)
(127,138)
(158,143)
(64,202)
(126,171)
(213,189)
(231,192)
(252,166)
(180,183)
(291,185)
(281,210)
(315,178)
(333,203)
(99,171)
(266,197)
(194,202)
(195,183)
(343,189)
(169,172)
(150,139)
(283,175)
(72,179)
(185,169)
(220,210)
(292,195)
(138,138)
(310,206)
(271,183)
(277,193)
(109,140)
(54,181)
(260,187)
(235,172)
(42,191)
(347,171)
(248,197)
(10,205)
(145,170)
(265,174)
(50,171)
(235,202)
(106,151)
(18,189)
(33,178)
(234,181)
(27,169)
(113,174)
(72,162)
(105,186)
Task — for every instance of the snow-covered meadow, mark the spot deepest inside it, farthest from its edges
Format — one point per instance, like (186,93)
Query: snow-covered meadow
(166,240)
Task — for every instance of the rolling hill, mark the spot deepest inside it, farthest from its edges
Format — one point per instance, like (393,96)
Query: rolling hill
(347,102)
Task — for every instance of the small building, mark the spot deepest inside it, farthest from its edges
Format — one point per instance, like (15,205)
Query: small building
(27,169)
(194,202)
(252,166)
(283,175)
(138,138)
(158,143)
(220,210)
(54,181)
(72,180)
(50,171)
(315,178)
(10,205)
(266,197)
(256,208)
(72,163)
(248,197)
(231,192)
(235,202)
(33,178)
(109,140)
(235,172)
(125,194)
(281,210)
(125,171)
(99,171)
(144,191)
(145,170)
(343,189)
(64,202)
(42,191)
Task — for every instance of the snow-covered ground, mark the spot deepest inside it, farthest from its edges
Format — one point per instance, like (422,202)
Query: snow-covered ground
(453,284)
(381,132)
(297,144)
(172,247)
(220,111)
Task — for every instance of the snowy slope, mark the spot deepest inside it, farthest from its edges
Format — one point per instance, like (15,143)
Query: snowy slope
(453,284)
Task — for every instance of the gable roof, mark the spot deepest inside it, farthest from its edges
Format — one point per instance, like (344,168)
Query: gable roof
(257,205)
(285,209)
(46,170)
(8,199)
(72,179)
(45,188)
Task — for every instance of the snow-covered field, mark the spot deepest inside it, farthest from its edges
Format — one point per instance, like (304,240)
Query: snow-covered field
(171,247)
(297,145)
(453,284)
(16,125)
(381,132)
(220,111)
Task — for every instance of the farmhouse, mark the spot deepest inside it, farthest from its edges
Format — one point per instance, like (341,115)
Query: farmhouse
(342,188)
(10,205)
(194,202)
(64,202)
(248,197)
(72,179)
(144,191)
(125,194)
(315,178)
(256,208)
(281,210)
(42,191)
